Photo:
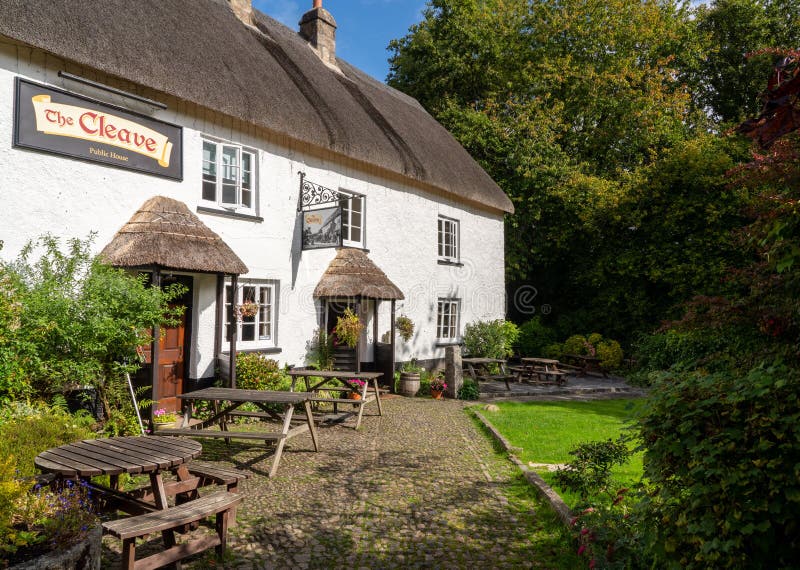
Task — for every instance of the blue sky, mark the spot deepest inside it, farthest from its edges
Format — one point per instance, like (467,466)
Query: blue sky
(365,26)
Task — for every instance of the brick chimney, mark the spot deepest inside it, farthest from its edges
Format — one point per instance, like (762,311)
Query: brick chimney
(243,9)
(318,28)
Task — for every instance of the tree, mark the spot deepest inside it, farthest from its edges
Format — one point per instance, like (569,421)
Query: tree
(71,320)
(726,82)
(559,102)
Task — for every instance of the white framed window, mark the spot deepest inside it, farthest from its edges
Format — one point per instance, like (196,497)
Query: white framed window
(353,210)
(229,175)
(251,308)
(448,239)
(447,319)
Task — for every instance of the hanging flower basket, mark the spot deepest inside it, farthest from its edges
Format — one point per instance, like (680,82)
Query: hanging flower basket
(247,309)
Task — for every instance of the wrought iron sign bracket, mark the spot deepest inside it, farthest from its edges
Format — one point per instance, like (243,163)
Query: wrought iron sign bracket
(312,194)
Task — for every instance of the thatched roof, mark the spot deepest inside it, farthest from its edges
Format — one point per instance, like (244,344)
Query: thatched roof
(353,274)
(166,234)
(267,75)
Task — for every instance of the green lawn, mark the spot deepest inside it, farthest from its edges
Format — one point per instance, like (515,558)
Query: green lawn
(547,431)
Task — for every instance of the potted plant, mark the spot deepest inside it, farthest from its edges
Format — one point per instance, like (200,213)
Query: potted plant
(348,328)
(162,416)
(438,386)
(405,327)
(358,385)
(409,378)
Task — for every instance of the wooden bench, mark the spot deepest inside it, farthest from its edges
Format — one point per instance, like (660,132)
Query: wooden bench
(218,475)
(538,373)
(504,377)
(166,521)
(272,436)
(552,375)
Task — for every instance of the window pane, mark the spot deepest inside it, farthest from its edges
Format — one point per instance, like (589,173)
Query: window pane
(248,329)
(249,321)
(441,238)
(230,174)
(209,189)
(247,179)
(248,294)
(265,314)
(209,171)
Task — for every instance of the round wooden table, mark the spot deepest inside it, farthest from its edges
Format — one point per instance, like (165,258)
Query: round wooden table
(117,455)
(114,456)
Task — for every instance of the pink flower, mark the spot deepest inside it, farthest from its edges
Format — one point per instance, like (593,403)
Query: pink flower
(584,531)
(582,549)
(592,563)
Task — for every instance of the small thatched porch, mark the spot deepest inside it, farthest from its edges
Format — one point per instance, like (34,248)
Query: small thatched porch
(352,276)
(162,237)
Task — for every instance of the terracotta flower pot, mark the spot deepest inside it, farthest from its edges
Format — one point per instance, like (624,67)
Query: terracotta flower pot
(437,394)
(354,396)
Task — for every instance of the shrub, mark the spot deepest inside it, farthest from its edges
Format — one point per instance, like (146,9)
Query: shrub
(254,372)
(608,351)
(722,456)
(534,337)
(605,530)
(555,350)
(590,472)
(610,354)
(490,339)
(30,431)
(469,390)
(72,320)
(26,431)
(576,344)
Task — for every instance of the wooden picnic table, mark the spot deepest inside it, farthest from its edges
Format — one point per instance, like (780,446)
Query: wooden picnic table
(540,369)
(587,363)
(229,399)
(153,456)
(114,456)
(479,369)
(365,395)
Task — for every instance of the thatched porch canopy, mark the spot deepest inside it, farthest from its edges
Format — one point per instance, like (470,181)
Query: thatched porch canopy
(164,233)
(353,274)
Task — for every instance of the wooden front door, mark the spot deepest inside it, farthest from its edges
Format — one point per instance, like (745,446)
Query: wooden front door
(171,366)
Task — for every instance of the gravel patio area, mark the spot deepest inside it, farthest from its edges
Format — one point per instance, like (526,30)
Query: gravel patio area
(419,487)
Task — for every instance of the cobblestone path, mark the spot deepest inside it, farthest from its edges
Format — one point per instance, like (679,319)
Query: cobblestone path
(419,487)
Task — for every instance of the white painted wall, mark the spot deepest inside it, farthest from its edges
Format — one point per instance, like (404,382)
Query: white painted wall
(71,198)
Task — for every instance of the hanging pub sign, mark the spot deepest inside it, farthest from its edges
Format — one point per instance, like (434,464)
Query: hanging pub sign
(322,228)
(55,121)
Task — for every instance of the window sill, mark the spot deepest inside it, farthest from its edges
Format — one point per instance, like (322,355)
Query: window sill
(228,214)
(364,249)
(273,350)
(451,263)
(445,343)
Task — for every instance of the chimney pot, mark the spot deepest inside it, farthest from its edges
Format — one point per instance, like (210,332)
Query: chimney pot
(317,3)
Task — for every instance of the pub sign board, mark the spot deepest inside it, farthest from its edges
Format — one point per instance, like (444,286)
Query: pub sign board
(322,228)
(56,121)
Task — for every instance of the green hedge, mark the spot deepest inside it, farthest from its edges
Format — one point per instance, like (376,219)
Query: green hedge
(723,457)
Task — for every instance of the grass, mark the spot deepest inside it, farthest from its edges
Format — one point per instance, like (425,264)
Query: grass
(547,431)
